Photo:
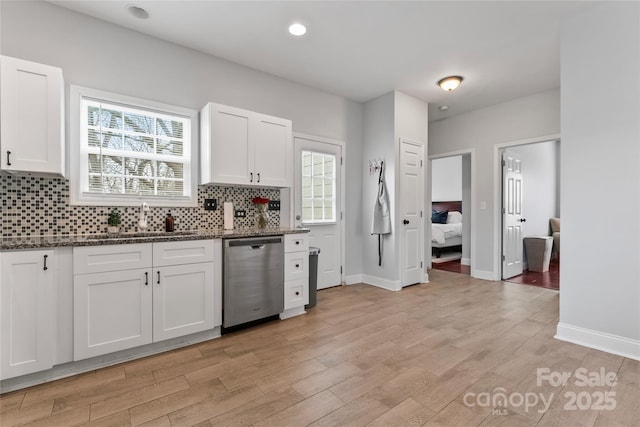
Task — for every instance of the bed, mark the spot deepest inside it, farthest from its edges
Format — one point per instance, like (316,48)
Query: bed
(448,236)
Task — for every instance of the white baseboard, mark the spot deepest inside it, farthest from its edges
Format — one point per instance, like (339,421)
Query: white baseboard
(73,368)
(610,343)
(353,279)
(465,261)
(481,274)
(296,311)
(391,285)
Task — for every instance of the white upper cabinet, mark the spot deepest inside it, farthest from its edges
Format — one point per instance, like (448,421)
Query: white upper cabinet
(244,148)
(31,117)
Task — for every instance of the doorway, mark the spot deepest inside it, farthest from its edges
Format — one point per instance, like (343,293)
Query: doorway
(451,193)
(529,206)
(318,200)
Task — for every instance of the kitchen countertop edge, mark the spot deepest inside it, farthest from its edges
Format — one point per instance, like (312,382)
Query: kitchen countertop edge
(56,241)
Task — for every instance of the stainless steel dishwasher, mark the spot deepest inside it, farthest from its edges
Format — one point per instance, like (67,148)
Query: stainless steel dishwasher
(253,279)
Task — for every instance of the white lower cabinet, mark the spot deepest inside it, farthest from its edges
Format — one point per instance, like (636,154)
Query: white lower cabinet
(182,300)
(27,324)
(112,311)
(296,274)
(170,293)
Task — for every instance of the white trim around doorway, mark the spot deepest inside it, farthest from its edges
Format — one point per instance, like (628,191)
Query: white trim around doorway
(497,197)
(472,241)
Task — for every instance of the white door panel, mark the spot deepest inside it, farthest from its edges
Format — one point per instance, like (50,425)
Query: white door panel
(326,236)
(411,212)
(512,233)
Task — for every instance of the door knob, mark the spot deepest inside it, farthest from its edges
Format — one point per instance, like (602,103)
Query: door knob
(405,222)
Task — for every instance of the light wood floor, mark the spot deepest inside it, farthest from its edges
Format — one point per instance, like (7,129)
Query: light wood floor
(363,356)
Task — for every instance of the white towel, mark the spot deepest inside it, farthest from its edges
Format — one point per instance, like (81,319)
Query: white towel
(381,223)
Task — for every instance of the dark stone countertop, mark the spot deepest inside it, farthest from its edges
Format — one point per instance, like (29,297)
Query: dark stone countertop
(54,241)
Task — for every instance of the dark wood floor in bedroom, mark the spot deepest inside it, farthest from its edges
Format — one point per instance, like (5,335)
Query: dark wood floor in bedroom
(548,280)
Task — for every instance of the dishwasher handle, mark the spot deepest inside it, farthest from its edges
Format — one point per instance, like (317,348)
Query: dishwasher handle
(254,243)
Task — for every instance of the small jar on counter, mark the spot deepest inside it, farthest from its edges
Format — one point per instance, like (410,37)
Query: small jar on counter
(169,223)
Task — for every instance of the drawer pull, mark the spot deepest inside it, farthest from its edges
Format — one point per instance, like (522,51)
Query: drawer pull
(297,293)
(8,161)
(297,265)
(297,242)
(146,278)
(44,267)
(158,277)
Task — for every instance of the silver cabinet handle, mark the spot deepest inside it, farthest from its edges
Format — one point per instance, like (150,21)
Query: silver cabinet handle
(8,161)
(45,262)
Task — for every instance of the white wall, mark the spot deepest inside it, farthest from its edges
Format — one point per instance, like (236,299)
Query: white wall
(105,56)
(600,268)
(446,176)
(387,119)
(378,143)
(540,185)
(523,118)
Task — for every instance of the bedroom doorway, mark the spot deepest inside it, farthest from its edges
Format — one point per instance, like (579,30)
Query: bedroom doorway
(540,202)
(451,214)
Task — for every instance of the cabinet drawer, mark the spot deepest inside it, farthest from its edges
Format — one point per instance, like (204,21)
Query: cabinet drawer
(296,242)
(183,252)
(294,293)
(97,259)
(296,265)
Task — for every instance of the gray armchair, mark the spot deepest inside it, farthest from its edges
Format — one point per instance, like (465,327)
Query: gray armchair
(555,232)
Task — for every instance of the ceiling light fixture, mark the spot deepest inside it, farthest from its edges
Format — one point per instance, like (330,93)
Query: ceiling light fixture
(443,108)
(450,83)
(137,11)
(297,29)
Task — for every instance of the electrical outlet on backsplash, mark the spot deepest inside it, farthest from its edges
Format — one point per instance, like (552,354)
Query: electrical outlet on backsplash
(37,206)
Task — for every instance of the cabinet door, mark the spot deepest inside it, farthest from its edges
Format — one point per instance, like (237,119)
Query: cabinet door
(27,281)
(31,106)
(183,300)
(112,311)
(225,146)
(273,151)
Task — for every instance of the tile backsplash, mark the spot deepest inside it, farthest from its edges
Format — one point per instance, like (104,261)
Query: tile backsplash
(33,206)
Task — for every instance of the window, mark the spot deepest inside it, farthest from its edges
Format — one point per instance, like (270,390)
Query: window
(127,150)
(318,188)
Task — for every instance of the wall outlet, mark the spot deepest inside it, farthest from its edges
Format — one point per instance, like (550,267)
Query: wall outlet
(241,213)
(210,204)
(274,205)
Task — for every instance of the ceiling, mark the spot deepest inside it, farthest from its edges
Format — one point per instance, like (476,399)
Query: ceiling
(364,49)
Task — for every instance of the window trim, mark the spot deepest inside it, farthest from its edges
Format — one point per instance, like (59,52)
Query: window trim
(79,198)
(333,198)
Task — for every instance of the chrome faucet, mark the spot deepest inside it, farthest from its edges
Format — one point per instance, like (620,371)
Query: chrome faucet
(142,220)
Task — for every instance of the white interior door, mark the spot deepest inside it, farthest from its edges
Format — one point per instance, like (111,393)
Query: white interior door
(512,220)
(411,212)
(318,203)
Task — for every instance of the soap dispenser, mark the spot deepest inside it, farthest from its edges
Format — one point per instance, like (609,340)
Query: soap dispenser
(169,223)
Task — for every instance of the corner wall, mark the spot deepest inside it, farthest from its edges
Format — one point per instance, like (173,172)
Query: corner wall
(600,274)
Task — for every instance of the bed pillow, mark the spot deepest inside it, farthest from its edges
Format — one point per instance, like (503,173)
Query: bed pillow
(439,217)
(454,217)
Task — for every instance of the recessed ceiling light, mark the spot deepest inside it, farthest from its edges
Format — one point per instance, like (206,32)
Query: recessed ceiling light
(450,83)
(137,11)
(443,108)
(297,29)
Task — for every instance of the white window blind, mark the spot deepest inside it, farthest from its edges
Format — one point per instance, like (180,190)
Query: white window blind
(133,150)
(318,188)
